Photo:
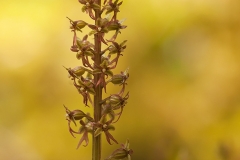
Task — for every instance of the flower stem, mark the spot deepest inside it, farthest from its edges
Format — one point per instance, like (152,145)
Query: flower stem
(96,148)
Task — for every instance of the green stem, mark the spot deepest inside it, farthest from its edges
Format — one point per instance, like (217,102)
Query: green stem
(96,148)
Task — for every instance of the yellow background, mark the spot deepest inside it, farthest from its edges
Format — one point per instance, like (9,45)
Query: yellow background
(184,81)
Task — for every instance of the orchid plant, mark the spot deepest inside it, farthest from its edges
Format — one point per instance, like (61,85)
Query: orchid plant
(91,79)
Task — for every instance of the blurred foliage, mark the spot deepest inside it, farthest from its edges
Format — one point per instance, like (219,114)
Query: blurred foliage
(184,81)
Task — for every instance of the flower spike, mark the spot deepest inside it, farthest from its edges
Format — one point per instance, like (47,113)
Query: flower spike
(99,54)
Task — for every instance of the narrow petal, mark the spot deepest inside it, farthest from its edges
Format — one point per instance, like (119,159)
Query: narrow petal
(84,138)
(110,137)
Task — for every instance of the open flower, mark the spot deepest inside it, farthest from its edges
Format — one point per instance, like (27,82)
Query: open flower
(113,103)
(85,49)
(76,26)
(101,28)
(116,26)
(74,115)
(116,48)
(104,69)
(103,25)
(112,7)
(89,6)
(77,72)
(87,127)
(104,126)
(85,87)
(107,110)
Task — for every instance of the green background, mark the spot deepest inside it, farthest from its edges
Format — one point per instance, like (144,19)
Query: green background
(184,80)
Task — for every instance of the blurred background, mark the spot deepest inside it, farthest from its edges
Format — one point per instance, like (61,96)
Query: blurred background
(184,80)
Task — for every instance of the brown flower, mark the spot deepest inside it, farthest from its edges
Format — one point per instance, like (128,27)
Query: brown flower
(104,126)
(89,6)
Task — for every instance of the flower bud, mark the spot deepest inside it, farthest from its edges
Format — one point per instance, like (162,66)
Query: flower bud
(115,99)
(77,25)
(120,154)
(117,79)
(109,72)
(76,115)
(80,24)
(113,26)
(78,71)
